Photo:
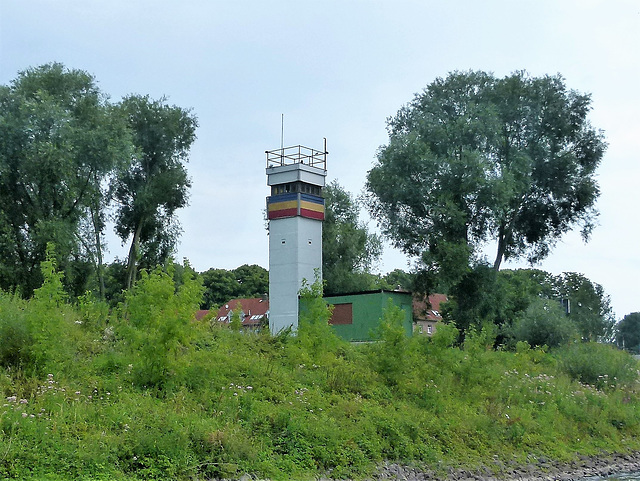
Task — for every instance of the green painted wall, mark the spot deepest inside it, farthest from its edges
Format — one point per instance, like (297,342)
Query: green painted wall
(367,308)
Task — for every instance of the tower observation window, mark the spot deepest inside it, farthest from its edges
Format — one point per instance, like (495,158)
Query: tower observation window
(296,187)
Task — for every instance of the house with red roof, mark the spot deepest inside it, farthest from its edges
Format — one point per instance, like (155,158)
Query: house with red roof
(427,314)
(255,311)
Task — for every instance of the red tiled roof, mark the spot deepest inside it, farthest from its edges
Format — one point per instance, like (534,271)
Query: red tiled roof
(431,312)
(254,310)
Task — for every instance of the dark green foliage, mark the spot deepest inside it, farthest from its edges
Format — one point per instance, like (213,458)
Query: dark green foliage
(59,142)
(473,299)
(399,279)
(543,323)
(483,295)
(474,157)
(17,339)
(115,275)
(221,285)
(65,151)
(628,332)
(254,280)
(589,306)
(503,297)
(155,184)
(599,365)
(349,250)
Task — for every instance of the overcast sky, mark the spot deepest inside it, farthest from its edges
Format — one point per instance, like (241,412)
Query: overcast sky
(338,69)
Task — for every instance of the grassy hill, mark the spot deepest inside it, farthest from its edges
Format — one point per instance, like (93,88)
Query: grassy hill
(145,392)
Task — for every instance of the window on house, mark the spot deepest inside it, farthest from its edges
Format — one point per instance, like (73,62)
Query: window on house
(342,314)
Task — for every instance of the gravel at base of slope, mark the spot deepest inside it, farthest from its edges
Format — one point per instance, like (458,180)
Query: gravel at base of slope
(539,469)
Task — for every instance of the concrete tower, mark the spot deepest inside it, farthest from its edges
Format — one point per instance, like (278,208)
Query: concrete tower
(295,210)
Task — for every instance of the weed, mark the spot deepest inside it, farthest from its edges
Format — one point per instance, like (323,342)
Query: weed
(146,392)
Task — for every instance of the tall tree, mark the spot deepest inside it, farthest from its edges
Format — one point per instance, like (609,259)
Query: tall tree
(502,297)
(399,279)
(349,250)
(475,158)
(58,143)
(589,306)
(155,184)
(221,285)
(628,332)
(253,280)
(543,323)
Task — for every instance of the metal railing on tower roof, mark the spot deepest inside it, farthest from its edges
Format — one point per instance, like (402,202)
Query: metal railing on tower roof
(297,154)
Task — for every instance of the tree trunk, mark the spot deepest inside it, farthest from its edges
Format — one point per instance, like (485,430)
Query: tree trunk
(100,267)
(501,248)
(133,255)
(24,276)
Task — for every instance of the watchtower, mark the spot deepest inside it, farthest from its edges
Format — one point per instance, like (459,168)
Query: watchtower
(295,210)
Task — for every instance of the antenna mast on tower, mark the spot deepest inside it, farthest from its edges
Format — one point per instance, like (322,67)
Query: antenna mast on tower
(282,133)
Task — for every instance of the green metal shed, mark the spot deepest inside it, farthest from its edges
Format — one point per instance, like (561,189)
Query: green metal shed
(355,315)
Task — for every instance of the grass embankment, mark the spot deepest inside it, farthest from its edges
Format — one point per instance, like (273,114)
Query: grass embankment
(146,393)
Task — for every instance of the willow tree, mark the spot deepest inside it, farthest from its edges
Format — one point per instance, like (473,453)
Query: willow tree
(59,143)
(155,184)
(475,158)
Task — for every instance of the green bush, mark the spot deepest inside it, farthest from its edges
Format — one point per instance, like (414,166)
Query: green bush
(389,355)
(599,365)
(483,339)
(315,335)
(158,323)
(51,321)
(17,340)
(544,323)
(445,336)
